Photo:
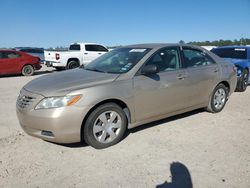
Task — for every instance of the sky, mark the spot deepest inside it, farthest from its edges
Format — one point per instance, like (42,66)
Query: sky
(52,23)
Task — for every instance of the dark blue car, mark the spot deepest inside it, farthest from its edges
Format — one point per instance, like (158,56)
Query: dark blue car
(240,56)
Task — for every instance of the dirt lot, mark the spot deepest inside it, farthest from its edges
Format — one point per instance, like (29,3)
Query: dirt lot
(196,149)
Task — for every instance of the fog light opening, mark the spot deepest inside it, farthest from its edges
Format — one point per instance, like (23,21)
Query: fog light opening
(47,133)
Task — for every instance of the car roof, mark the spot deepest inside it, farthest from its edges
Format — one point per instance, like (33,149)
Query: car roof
(8,50)
(84,43)
(21,48)
(159,45)
(236,46)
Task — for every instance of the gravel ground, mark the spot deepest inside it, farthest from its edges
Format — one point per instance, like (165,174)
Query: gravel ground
(196,149)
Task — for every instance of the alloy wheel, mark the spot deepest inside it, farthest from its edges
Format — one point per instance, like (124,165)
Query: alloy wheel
(219,98)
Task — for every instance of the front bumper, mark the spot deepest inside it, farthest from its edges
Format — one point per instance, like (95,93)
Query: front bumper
(63,123)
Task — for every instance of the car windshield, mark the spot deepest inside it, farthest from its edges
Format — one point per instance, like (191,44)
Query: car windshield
(118,61)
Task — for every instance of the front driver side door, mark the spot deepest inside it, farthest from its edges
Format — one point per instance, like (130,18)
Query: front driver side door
(161,93)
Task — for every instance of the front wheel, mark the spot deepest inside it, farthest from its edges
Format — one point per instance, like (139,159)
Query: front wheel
(218,99)
(28,70)
(243,82)
(105,126)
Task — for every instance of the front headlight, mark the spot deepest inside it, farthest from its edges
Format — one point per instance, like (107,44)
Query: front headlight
(57,102)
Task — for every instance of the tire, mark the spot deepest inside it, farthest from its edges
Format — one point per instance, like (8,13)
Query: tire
(100,131)
(243,82)
(72,64)
(218,99)
(28,70)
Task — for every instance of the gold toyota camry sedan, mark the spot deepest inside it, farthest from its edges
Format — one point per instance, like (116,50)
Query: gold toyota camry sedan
(125,88)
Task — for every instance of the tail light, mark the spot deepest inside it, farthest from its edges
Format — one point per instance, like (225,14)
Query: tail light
(235,69)
(57,56)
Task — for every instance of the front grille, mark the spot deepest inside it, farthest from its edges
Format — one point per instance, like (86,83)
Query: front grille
(25,101)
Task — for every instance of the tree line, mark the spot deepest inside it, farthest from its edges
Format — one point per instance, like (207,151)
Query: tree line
(242,41)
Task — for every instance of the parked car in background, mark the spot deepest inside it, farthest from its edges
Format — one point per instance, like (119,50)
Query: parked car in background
(78,54)
(209,47)
(16,62)
(37,52)
(240,56)
(125,88)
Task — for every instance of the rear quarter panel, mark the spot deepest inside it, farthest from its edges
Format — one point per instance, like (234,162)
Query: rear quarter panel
(27,59)
(227,73)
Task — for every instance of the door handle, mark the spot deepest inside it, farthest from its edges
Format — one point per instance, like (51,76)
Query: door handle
(100,53)
(181,77)
(216,70)
(85,53)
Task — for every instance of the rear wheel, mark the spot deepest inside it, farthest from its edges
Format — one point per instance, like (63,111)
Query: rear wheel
(72,64)
(28,70)
(218,99)
(105,126)
(243,82)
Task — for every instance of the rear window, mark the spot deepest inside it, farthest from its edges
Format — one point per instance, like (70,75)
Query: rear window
(235,53)
(9,55)
(75,47)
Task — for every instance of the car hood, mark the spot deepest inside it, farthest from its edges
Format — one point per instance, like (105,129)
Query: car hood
(61,83)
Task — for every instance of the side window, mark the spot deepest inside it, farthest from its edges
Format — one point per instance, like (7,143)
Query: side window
(10,55)
(166,60)
(90,47)
(223,52)
(95,48)
(75,47)
(195,58)
(100,48)
(1,55)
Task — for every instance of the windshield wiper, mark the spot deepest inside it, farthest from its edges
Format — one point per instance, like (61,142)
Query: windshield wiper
(96,70)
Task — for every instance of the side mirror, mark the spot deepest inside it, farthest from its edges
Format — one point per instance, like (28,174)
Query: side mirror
(149,69)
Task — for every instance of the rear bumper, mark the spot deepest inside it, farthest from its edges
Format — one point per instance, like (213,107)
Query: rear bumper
(37,66)
(53,64)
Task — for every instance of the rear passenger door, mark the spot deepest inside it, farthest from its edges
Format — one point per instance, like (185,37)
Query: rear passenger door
(202,74)
(92,51)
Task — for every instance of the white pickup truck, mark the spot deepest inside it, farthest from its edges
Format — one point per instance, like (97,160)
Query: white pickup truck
(78,54)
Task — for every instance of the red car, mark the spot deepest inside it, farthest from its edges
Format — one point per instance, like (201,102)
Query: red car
(15,62)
